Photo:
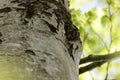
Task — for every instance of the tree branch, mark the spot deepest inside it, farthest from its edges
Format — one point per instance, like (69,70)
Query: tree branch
(96,58)
(97,61)
(90,66)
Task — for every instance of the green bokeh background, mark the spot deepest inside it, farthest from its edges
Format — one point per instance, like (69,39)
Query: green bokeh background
(99,24)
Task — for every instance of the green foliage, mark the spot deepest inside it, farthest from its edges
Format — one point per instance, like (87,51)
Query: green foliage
(104,20)
(91,15)
(99,31)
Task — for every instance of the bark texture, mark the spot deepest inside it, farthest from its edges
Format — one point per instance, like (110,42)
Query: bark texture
(38,41)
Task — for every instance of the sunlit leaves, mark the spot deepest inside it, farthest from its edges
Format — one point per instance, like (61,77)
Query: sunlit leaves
(104,20)
(91,15)
(97,23)
(99,29)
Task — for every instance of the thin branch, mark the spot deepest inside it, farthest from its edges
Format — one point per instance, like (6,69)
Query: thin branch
(110,19)
(107,70)
(96,58)
(97,61)
(90,66)
(91,75)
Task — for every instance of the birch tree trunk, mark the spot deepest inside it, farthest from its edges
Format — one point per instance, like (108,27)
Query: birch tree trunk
(38,41)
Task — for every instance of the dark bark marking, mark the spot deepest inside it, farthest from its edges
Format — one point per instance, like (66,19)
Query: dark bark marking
(1,41)
(43,60)
(0,33)
(29,12)
(63,2)
(51,27)
(62,13)
(70,51)
(45,5)
(5,10)
(29,8)
(76,48)
(14,1)
(1,16)
(71,33)
(46,13)
(31,52)
(23,38)
(58,20)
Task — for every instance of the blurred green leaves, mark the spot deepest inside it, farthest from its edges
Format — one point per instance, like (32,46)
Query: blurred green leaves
(99,29)
(104,20)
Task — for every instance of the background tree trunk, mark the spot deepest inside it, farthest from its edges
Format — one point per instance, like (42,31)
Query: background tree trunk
(38,41)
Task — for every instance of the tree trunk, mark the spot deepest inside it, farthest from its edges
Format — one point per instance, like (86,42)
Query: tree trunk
(38,41)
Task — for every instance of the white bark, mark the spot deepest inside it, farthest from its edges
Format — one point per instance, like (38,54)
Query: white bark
(33,44)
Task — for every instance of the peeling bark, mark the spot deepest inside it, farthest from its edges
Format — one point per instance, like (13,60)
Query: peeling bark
(38,40)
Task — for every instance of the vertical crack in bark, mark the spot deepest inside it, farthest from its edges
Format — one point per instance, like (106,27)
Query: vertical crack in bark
(70,51)
(29,12)
(51,27)
(1,41)
(0,37)
(0,33)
